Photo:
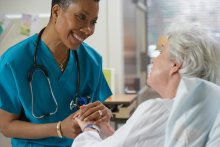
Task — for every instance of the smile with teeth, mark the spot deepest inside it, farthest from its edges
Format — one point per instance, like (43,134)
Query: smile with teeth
(77,37)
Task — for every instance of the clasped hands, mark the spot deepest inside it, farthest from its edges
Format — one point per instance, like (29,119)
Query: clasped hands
(92,113)
(95,113)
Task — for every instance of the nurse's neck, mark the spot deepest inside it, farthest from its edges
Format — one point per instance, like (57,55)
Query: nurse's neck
(56,47)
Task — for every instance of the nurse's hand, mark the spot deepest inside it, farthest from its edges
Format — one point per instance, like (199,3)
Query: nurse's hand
(69,127)
(95,112)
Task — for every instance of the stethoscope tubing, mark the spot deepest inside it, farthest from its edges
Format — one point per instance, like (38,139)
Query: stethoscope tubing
(43,69)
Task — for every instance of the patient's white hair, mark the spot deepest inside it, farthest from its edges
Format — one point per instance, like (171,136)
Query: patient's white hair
(194,47)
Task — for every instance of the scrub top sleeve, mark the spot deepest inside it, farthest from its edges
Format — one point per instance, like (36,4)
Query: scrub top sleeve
(9,100)
(102,91)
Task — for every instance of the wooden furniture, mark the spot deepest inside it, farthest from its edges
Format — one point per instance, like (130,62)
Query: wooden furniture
(122,106)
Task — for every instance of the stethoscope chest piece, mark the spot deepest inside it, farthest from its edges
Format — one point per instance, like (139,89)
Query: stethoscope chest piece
(79,101)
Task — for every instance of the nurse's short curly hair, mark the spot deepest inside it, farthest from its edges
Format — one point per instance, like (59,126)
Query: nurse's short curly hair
(65,3)
(196,49)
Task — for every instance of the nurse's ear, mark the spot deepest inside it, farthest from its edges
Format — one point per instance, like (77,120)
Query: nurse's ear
(175,67)
(56,9)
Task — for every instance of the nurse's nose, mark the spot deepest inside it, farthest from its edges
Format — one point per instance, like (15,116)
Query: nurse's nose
(87,30)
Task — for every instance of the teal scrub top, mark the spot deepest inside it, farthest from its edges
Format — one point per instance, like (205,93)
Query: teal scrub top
(15,93)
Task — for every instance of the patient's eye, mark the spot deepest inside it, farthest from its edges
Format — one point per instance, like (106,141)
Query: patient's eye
(156,52)
(159,50)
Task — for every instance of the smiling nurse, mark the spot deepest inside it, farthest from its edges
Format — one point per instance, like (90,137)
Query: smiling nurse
(47,77)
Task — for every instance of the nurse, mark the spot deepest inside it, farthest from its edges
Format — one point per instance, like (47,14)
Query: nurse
(45,78)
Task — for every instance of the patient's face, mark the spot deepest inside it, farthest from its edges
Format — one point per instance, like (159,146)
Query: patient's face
(160,71)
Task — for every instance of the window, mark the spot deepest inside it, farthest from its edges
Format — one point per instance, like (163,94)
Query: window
(161,13)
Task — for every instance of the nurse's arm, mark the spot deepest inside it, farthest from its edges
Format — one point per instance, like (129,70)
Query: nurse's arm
(12,127)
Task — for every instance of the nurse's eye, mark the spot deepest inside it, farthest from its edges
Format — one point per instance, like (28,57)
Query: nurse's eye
(81,17)
(94,22)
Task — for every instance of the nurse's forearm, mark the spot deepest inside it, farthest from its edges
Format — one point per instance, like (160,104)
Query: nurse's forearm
(21,129)
(11,126)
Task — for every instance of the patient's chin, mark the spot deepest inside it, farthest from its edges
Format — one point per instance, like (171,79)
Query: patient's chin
(148,82)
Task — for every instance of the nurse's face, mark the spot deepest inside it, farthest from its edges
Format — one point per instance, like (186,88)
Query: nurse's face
(160,71)
(77,22)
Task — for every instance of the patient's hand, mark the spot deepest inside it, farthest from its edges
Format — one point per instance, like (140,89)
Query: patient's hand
(105,128)
(82,124)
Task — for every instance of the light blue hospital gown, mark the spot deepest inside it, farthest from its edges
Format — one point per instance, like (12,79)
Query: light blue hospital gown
(15,95)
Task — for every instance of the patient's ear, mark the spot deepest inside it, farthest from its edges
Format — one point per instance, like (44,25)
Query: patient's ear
(175,67)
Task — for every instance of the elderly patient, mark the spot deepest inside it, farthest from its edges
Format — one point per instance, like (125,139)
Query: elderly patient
(188,55)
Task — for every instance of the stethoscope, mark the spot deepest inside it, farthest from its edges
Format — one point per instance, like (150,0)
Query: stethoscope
(75,103)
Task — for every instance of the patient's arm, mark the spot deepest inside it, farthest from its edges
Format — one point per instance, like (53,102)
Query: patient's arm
(103,128)
(146,128)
